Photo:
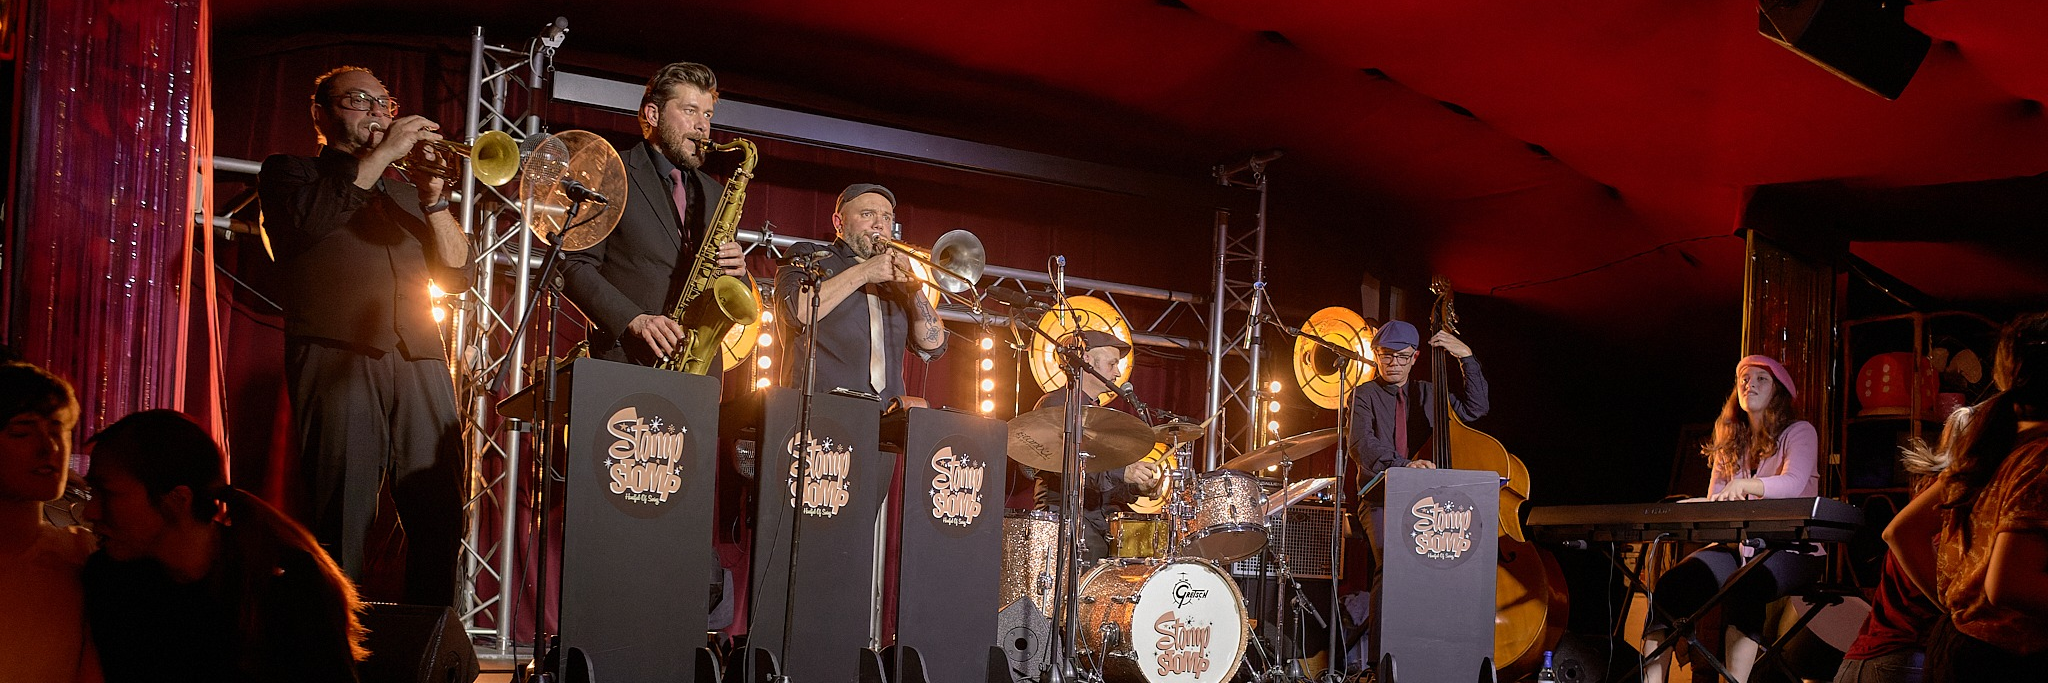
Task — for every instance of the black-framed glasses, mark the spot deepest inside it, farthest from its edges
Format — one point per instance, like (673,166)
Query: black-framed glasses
(357,100)
(1402,358)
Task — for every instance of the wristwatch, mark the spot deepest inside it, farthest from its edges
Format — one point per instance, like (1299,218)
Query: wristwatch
(436,206)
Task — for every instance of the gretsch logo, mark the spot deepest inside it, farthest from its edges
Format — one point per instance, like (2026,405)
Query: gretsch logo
(956,487)
(1184,593)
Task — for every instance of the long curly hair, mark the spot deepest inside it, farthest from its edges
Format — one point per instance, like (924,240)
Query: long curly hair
(1993,431)
(1734,448)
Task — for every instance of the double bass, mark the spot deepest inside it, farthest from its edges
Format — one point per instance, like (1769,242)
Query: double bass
(1530,596)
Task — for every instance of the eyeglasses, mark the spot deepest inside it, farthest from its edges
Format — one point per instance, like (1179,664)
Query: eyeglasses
(1402,358)
(357,100)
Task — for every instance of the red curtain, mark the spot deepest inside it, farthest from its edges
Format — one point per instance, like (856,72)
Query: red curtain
(113,106)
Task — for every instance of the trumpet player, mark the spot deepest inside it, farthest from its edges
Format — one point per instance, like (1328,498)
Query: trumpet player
(869,304)
(627,284)
(358,245)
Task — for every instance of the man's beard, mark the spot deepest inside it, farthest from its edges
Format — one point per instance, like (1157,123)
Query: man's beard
(680,148)
(863,244)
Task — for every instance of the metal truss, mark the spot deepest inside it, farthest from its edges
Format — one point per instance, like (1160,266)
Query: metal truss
(1235,344)
(505,84)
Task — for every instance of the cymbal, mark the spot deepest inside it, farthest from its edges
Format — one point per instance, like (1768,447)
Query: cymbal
(1110,438)
(1289,449)
(1322,374)
(1184,432)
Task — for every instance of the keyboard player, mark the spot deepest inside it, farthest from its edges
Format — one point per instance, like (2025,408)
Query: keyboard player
(1760,449)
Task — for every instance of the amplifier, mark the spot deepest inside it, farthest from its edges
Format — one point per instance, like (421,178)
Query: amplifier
(1308,544)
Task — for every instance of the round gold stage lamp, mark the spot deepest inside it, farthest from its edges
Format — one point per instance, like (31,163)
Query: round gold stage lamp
(740,341)
(1081,313)
(1323,375)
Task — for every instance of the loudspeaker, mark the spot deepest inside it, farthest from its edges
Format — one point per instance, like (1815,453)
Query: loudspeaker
(1866,42)
(1582,658)
(416,644)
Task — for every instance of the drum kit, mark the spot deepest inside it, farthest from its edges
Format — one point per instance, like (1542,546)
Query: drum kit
(1163,607)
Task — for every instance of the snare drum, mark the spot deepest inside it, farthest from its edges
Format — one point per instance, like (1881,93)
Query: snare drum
(1228,526)
(1133,534)
(1152,621)
(1031,542)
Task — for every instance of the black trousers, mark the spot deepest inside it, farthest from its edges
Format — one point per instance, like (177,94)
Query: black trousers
(1689,585)
(363,418)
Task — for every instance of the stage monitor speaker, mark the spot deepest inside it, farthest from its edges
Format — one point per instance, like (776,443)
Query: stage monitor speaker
(416,644)
(1866,42)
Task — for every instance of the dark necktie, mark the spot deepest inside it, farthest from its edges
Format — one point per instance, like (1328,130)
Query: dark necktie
(681,193)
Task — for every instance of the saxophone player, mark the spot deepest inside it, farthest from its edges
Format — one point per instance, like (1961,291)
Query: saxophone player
(627,284)
(869,307)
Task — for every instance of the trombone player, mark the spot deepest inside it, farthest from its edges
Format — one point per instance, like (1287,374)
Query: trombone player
(869,304)
(357,246)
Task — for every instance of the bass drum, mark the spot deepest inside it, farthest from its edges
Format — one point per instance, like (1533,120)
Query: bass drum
(1153,621)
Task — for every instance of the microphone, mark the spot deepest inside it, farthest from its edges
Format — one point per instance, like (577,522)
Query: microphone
(1131,394)
(578,192)
(1059,275)
(1013,298)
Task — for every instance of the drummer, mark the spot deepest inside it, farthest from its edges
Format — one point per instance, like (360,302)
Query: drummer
(1107,492)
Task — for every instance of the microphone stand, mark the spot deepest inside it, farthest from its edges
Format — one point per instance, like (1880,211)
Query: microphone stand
(812,275)
(544,418)
(1337,660)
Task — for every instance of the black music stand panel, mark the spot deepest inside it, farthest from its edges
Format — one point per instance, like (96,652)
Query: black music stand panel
(834,592)
(951,554)
(1434,608)
(636,540)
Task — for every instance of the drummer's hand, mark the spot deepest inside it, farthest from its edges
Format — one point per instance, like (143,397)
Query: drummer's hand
(1422,464)
(1145,476)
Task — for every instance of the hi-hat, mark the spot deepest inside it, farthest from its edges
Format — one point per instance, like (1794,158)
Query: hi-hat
(586,158)
(1289,449)
(1177,430)
(1323,374)
(1109,438)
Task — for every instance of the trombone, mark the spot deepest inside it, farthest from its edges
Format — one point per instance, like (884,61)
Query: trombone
(956,259)
(493,157)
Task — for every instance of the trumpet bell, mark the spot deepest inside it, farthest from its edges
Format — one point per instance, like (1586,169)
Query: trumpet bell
(958,253)
(494,158)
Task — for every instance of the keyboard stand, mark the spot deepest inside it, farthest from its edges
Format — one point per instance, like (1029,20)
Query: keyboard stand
(1682,629)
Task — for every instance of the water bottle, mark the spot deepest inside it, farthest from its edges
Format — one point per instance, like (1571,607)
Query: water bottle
(1545,674)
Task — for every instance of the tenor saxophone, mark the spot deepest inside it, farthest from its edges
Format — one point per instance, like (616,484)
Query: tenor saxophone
(713,302)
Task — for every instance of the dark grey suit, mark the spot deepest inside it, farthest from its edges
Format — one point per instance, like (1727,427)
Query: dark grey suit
(641,267)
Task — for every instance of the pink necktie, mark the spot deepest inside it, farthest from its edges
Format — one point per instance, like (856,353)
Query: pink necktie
(682,197)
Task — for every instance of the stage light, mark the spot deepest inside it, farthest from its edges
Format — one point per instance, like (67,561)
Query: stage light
(988,364)
(767,316)
(440,314)
(988,406)
(1273,386)
(1273,426)
(761,383)
(987,343)
(766,339)
(765,361)
(434,290)
(1272,406)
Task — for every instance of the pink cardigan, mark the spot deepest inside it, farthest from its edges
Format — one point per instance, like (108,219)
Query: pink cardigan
(1792,472)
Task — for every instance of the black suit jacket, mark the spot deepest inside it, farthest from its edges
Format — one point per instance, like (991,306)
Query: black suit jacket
(640,268)
(353,264)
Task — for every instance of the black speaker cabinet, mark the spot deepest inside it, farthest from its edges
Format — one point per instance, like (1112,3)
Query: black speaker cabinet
(1866,42)
(416,644)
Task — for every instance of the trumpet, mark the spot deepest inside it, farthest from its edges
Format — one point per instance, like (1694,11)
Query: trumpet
(956,259)
(493,157)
